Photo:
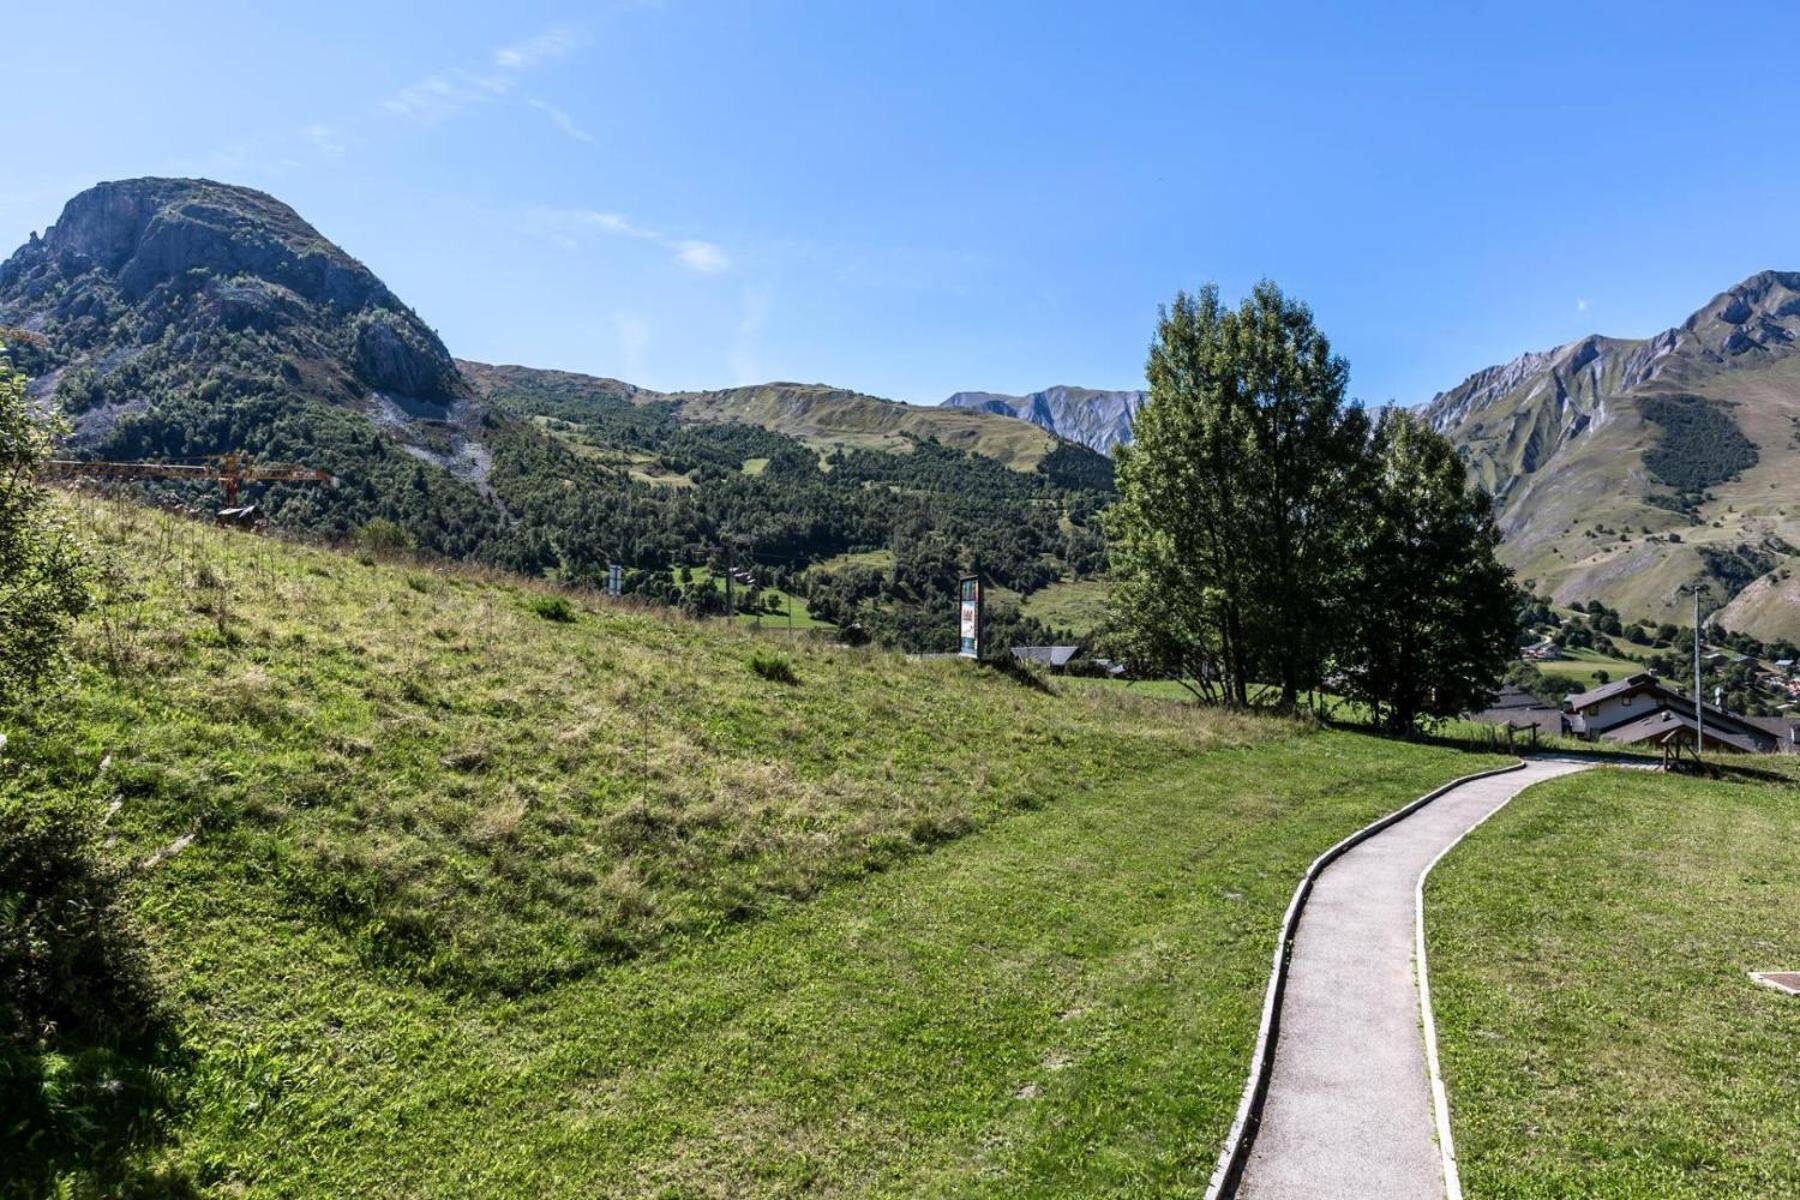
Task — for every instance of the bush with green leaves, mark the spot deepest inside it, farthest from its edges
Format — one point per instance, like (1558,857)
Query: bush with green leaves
(773,665)
(43,570)
(553,608)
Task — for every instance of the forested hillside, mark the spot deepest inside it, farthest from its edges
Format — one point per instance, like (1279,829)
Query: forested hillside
(178,319)
(930,513)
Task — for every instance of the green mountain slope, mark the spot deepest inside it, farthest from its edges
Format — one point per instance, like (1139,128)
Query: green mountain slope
(176,318)
(1626,469)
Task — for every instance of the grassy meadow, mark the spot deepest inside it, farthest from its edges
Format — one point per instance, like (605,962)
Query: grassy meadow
(1580,664)
(455,884)
(1590,948)
(1078,605)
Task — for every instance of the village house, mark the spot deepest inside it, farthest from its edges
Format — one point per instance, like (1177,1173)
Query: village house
(1785,731)
(1639,710)
(1517,709)
(1056,658)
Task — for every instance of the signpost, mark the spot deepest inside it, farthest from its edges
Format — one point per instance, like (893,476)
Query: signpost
(971,617)
(614,579)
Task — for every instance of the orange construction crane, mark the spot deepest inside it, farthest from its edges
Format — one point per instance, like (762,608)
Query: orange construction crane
(232,470)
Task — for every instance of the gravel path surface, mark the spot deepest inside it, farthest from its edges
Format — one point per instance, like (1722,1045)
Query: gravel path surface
(1349,1111)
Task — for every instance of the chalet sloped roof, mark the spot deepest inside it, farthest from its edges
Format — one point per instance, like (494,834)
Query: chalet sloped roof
(1785,728)
(1514,697)
(1660,724)
(1618,687)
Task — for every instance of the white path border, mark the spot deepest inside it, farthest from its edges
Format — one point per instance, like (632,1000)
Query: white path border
(1440,1098)
(1235,1152)
(1762,977)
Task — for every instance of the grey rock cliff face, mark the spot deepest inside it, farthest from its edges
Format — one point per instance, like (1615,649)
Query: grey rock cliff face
(1514,418)
(126,259)
(1097,419)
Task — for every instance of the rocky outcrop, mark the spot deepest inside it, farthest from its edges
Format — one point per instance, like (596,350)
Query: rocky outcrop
(128,260)
(1612,481)
(1099,420)
(392,355)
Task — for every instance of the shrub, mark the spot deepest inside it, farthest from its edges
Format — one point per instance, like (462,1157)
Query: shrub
(773,665)
(553,608)
(44,568)
(382,536)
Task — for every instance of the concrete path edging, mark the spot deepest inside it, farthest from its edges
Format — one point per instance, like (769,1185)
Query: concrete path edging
(1440,1098)
(1236,1151)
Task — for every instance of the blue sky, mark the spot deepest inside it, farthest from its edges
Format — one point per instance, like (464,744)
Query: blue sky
(914,198)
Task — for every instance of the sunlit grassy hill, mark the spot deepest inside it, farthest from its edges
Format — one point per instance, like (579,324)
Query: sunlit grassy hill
(453,883)
(490,785)
(827,417)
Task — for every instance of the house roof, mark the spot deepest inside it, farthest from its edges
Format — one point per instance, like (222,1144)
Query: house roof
(1645,682)
(1514,697)
(1785,728)
(1618,687)
(1659,725)
(1049,656)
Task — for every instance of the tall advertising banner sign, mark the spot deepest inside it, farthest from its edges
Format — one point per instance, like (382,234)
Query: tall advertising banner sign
(615,577)
(971,617)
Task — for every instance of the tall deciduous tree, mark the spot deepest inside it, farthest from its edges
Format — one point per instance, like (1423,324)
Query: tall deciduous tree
(1434,615)
(42,569)
(1230,531)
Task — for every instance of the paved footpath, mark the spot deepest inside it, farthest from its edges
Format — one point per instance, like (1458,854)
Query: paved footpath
(1349,1111)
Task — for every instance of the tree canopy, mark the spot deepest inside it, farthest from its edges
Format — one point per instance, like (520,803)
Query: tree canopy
(1267,534)
(1228,529)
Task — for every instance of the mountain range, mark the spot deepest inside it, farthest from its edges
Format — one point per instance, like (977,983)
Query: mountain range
(175,318)
(1099,420)
(1625,469)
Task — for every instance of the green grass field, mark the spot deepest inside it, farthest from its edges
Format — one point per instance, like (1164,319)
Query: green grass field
(1160,689)
(791,615)
(1589,955)
(880,560)
(792,612)
(1077,605)
(1580,665)
(495,890)
(1060,1005)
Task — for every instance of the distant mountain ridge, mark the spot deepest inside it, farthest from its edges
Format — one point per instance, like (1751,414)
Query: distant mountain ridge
(1097,419)
(1627,467)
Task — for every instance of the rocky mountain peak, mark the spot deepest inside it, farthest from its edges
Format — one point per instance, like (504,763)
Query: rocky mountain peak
(1759,317)
(126,260)
(1097,419)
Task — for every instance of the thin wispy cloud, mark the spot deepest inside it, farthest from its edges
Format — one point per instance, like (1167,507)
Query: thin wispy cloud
(324,139)
(561,120)
(449,92)
(548,46)
(633,334)
(567,227)
(444,95)
(703,257)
